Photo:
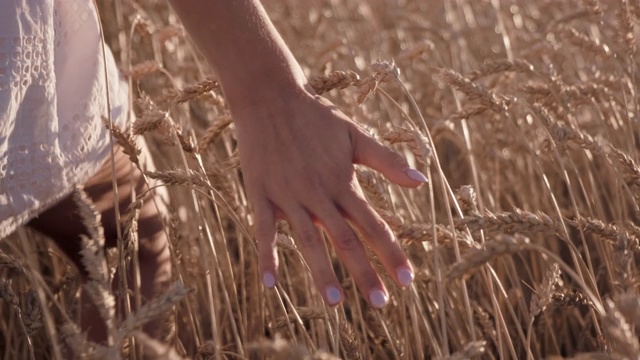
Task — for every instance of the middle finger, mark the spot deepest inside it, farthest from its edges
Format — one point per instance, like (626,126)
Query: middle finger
(352,252)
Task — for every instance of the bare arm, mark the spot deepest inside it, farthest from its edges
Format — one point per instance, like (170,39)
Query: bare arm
(243,46)
(297,151)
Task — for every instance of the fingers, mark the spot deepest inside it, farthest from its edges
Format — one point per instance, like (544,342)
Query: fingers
(265,229)
(379,237)
(346,243)
(369,152)
(310,242)
(352,252)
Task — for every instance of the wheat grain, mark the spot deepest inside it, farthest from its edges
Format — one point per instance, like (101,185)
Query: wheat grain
(475,258)
(142,69)
(31,312)
(500,66)
(626,28)
(619,333)
(12,264)
(194,91)
(152,117)
(334,80)
(487,326)
(570,298)
(212,133)
(584,42)
(375,191)
(179,177)
(467,199)
(542,297)
(518,221)
(417,143)
(126,142)
(474,91)
(154,309)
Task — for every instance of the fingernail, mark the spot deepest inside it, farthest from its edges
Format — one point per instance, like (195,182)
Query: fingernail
(333,295)
(268,280)
(378,298)
(405,275)
(416,175)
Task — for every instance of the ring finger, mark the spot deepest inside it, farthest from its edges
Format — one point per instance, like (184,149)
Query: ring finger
(352,252)
(314,252)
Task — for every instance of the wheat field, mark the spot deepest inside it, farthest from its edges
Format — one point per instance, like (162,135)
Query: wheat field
(525,241)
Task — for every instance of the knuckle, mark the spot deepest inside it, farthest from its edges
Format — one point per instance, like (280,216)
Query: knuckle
(312,184)
(350,190)
(307,235)
(346,240)
(397,160)
(379,229)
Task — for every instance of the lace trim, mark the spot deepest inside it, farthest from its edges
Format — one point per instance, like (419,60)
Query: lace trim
(23,62)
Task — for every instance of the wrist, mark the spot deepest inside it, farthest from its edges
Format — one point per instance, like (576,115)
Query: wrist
(253,93)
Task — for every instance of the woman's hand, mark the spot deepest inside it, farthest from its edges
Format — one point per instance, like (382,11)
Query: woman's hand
(297,153)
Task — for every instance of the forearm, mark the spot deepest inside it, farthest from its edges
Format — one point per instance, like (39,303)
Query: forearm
(243,46)
(297,152)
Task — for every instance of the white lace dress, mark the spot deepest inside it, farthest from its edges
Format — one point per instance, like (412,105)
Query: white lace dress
(52,100)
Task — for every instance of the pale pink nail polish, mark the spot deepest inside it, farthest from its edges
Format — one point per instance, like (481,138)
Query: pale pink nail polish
(404,275)
(268,280)
(333,295)
(378,298)
(416,175)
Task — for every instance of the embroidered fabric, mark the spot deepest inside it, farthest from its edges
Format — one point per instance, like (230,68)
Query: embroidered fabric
(52,100)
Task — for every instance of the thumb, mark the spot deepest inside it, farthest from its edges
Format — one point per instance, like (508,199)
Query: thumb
(369,152)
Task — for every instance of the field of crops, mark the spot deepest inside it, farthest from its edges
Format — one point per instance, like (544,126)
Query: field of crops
(523,114)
